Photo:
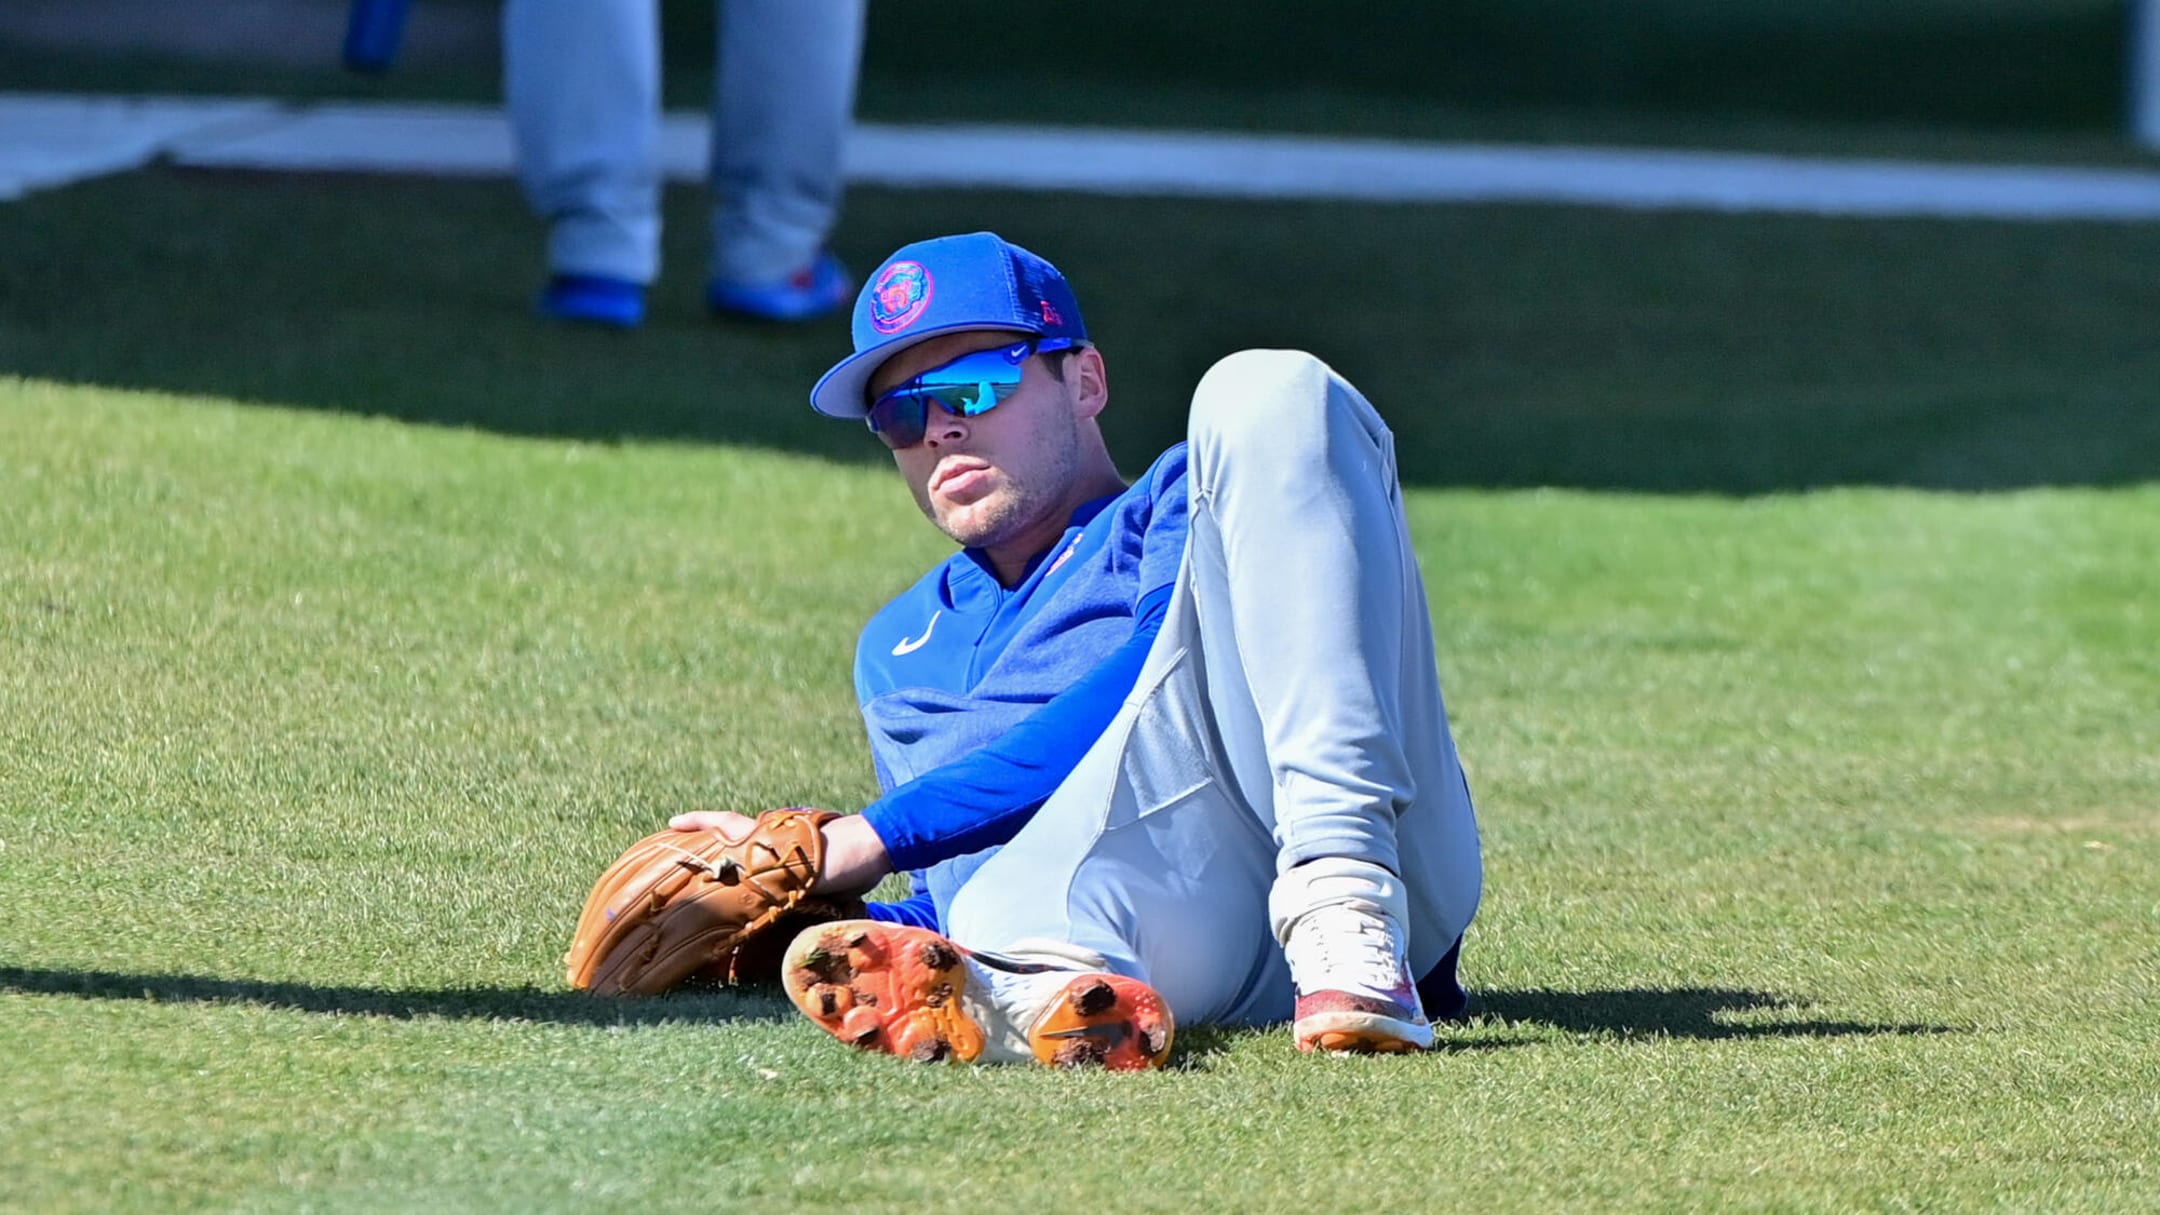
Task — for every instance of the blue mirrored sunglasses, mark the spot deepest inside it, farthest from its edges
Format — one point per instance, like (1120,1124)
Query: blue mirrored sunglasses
(968,387)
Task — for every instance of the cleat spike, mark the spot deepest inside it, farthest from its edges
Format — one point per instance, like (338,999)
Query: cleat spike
(860,1026)
(1092,999)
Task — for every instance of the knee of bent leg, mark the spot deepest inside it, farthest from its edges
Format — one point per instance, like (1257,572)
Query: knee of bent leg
(1259,398)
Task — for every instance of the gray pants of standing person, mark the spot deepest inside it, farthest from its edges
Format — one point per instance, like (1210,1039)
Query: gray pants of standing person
(582,79)
(1287,729)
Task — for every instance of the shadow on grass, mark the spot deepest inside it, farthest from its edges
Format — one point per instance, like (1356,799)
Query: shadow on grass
(698,1006)
(1649,1013)
(1200,1047)
(1686,1012)
(1507,346)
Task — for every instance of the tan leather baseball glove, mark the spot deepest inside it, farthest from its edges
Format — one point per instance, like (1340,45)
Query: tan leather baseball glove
(680,903)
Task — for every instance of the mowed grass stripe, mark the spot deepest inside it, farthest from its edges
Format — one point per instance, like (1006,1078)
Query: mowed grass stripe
(374,632)
(1509,346)
(1821,844)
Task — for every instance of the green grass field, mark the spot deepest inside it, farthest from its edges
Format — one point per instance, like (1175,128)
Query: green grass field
(1821,836)
(1821,824)
(1797,587)
(1511,346)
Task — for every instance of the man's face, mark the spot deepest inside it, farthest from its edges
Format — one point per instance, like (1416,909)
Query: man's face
(988,480)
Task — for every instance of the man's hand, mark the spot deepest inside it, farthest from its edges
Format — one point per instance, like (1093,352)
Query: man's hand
(855,858)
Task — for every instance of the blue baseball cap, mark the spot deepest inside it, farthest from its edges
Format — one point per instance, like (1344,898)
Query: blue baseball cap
(946,285)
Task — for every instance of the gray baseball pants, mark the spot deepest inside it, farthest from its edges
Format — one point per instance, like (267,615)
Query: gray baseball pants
(1289,711)
(582,81)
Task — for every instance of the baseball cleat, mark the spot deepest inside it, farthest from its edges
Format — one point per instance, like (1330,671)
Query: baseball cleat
(818,289)
(1348,959)
(909,992)
(593,299)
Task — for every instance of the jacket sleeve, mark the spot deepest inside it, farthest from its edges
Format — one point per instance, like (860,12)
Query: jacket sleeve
(983,798)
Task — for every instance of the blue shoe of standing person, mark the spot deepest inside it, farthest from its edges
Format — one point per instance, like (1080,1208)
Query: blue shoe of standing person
(593,299)
(818,289)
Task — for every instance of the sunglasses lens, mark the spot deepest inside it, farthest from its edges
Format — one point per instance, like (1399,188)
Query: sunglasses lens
(968,387)
(974,384)
(897,418)
(970,398)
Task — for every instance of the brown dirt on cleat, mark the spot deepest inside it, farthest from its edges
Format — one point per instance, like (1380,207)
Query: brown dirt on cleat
(1154,1040)
(825,964)
(833,999)
(1080,1052)
(865,953)
(902,994)
(1092,999)
(1103,1021)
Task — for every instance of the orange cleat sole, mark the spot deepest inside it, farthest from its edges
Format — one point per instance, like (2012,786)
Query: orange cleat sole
(1357,1042)
(904,991)
(884,987)
(1103,1020)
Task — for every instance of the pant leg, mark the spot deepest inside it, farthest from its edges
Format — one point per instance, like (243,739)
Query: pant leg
(1145,856)
(582,82)
(1290,709)
(1331,712)
(783,100)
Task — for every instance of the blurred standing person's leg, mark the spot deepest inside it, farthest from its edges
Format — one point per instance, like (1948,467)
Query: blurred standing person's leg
(782,103)
(582,80)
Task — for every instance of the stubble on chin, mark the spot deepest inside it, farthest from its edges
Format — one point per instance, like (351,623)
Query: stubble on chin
(986,521)
(961,524)
(1021,497)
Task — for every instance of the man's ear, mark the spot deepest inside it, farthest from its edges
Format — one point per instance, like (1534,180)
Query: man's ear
(1088,382)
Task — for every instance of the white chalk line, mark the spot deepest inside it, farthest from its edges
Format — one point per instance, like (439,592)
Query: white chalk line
(49,139)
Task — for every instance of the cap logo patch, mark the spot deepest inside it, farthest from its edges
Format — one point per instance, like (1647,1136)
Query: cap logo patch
(901,293)
(1051,316)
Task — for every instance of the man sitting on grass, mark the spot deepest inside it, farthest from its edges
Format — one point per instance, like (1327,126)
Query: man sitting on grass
(1159,752)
